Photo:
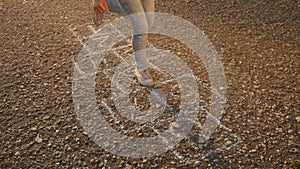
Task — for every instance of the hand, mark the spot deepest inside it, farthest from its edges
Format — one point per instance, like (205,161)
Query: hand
(100,6)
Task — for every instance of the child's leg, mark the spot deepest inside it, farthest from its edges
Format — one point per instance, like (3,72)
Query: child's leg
(149,6)
(140,27)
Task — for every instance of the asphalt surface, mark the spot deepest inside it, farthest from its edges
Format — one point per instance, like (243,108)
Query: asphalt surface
(257,43)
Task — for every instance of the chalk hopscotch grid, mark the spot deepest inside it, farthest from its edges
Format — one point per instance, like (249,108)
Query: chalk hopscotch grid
(186,160)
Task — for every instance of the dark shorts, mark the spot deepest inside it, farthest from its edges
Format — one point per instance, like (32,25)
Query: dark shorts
(115,7)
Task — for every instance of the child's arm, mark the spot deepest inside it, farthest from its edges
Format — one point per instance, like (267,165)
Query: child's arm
(100,6)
